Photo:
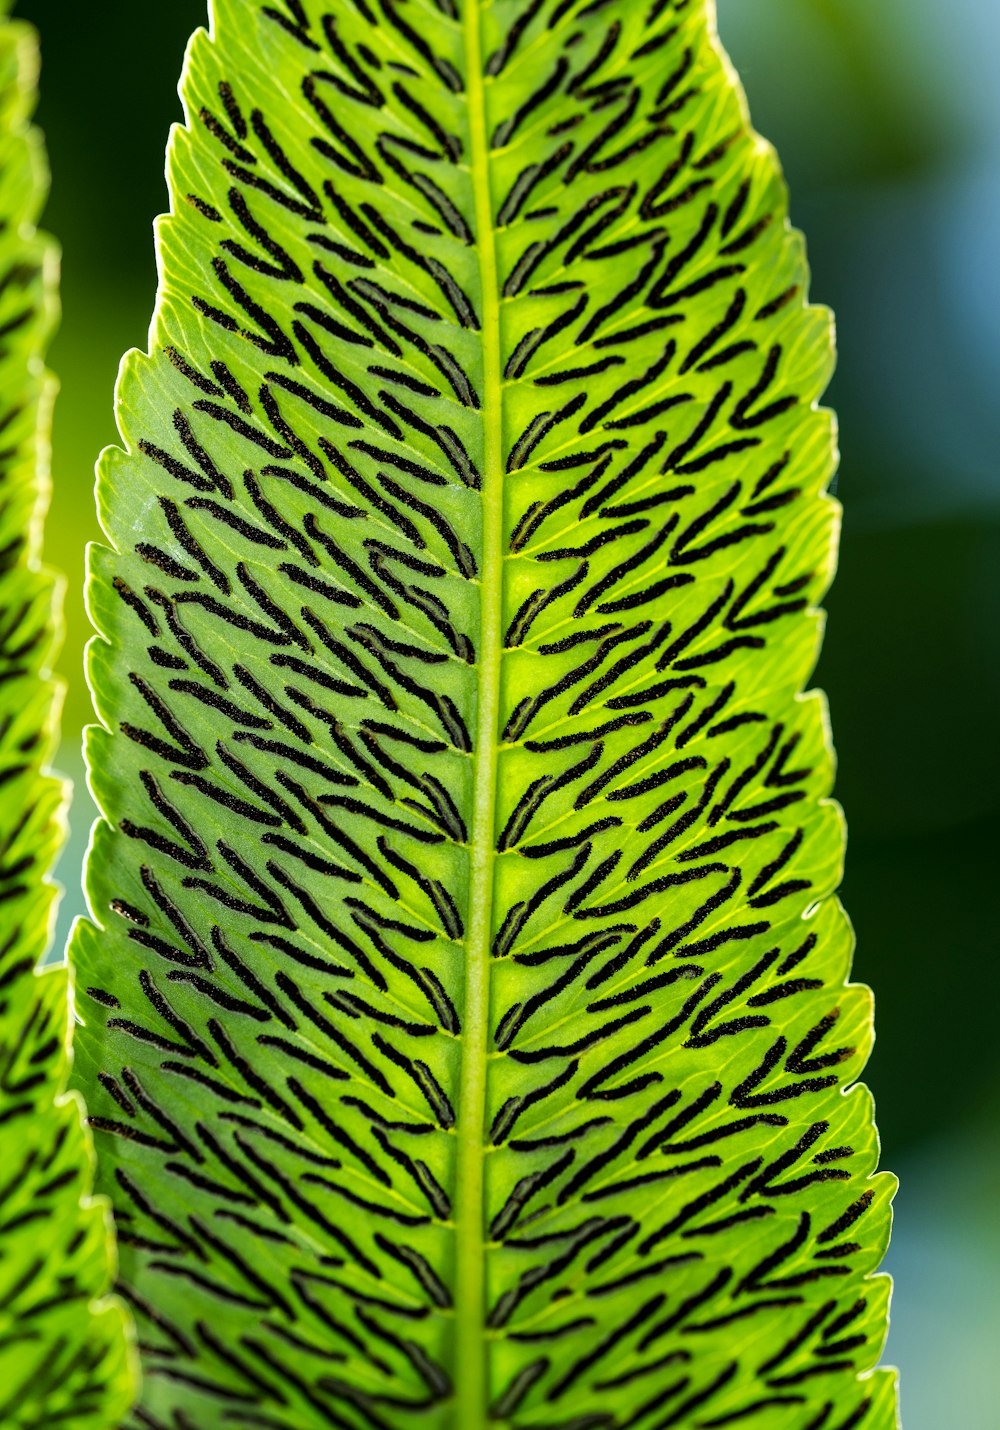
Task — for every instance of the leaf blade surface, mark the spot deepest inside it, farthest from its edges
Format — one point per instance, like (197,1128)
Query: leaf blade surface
(469,858)
(63,1347)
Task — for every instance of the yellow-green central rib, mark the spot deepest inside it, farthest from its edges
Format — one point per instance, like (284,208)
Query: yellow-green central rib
(470,1369)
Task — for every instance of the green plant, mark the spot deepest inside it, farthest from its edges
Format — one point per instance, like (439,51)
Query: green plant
(466,1023)
(63,1357)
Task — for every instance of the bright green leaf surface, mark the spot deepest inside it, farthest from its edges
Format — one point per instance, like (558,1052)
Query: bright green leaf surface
(467,1023)
(63,1357)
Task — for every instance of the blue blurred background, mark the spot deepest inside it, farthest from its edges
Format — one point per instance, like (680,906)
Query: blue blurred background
(887,118)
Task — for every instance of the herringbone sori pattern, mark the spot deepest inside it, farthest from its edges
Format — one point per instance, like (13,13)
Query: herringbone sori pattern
(465,821)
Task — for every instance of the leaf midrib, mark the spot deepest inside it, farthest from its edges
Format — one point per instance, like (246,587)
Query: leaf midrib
(470,1376)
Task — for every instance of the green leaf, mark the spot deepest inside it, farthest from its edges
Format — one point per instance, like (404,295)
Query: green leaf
(63,1351)
(467,1022)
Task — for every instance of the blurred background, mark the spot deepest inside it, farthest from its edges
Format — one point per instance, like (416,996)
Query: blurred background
(887,118)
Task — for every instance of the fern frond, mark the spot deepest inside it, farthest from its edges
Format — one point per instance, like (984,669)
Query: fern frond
(466,1018)
(63,1357)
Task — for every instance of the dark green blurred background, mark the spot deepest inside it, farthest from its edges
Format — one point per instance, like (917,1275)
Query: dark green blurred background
(887,117)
